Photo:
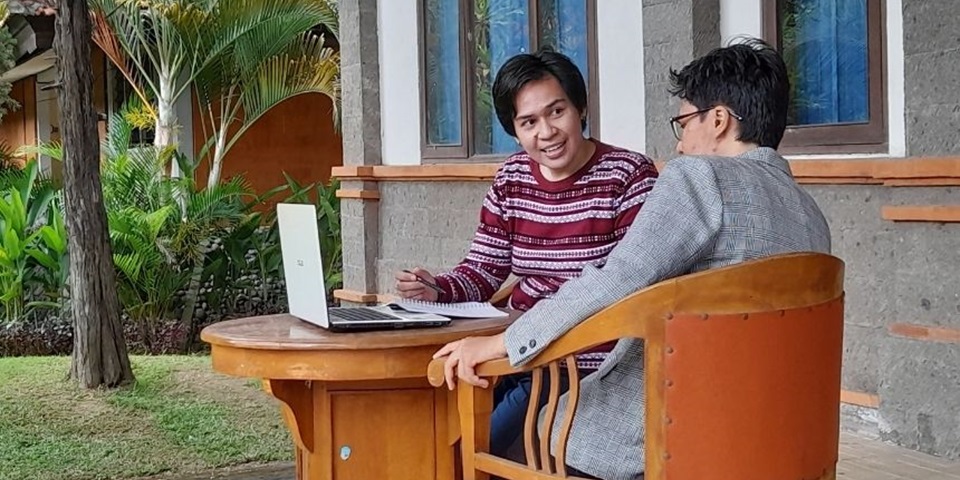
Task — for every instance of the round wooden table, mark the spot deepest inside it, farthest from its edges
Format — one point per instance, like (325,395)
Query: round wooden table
(358,405)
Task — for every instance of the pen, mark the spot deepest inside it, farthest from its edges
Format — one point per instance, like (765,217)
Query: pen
(425,282)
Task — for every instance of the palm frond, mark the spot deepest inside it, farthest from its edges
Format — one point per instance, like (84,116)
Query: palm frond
(105,38)
(123,33)
(307,67)
(134,179)
(52,149)
(119,134)
(331,16)
(222,202)
(4,13)
(263,26)
(273,33)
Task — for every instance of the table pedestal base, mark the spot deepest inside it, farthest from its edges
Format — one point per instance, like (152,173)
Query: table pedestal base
(389,430)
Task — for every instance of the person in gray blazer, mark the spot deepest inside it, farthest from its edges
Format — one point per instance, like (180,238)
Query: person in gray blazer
(728,197)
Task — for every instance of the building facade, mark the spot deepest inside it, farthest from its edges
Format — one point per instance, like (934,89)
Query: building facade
(873,136)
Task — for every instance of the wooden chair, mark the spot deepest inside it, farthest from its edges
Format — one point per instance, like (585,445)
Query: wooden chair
(742,374)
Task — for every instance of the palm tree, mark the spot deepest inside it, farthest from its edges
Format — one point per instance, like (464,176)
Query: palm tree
(163,46)
(268,65)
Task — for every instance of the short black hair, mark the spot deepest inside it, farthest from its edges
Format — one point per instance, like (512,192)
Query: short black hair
(528,67)
(750,78)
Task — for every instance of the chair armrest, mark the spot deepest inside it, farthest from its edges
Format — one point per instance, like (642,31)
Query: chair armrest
(435,371)
(640,315)
(493,368)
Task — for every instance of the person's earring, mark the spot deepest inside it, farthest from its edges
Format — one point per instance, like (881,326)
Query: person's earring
(515,139)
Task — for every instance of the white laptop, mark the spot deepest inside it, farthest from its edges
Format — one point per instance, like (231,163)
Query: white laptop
(306,294)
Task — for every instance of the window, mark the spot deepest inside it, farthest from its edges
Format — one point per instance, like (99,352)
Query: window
(464,43)
(834,55)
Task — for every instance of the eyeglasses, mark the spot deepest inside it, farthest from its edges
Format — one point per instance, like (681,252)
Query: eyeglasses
(678,127)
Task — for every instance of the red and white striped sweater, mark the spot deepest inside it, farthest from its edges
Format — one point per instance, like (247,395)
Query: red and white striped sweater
(545,232)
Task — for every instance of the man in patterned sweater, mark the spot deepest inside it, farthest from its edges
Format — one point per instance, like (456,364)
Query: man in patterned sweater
(559,205)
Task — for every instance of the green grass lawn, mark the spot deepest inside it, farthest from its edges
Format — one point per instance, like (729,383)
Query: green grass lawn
(180,417)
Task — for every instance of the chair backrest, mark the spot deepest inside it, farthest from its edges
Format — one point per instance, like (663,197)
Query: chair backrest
(752,390)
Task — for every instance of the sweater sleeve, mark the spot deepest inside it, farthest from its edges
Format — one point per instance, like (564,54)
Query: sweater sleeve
(488,262)
(635,192)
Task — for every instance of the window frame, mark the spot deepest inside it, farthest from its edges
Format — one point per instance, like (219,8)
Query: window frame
(869,137)
(465,152)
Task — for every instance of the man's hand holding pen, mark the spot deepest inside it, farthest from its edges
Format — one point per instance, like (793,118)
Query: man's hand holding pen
(417,284)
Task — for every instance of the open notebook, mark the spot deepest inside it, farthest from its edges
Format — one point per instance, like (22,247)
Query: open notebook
(461,310)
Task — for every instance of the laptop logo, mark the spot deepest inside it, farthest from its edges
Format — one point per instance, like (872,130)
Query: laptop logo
(299,263)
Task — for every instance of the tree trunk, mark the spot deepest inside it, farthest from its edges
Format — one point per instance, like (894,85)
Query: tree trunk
(218,153)
(166,134)
(99,350)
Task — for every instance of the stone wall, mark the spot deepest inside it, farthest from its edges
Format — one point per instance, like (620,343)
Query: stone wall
(360,131)
(931,41)
(674,33)
(426,224)
(900,273)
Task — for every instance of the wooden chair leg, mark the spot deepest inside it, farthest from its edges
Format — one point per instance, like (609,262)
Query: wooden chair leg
(475,406)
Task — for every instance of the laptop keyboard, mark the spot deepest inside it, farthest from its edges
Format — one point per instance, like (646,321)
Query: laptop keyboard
(360,314)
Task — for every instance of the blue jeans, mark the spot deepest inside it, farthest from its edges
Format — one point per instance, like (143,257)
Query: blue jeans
(510,398)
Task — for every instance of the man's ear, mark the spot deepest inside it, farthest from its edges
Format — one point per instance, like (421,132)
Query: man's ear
(722,122)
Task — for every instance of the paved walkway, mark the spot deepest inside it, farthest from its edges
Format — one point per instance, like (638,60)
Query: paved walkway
(864,459)
(860,459)
(276,471)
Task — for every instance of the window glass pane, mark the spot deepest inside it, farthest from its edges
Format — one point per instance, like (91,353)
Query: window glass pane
(563,26)
(501,30)
(824,43)
(442,36)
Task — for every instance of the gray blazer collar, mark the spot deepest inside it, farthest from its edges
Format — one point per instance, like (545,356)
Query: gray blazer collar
(769,156)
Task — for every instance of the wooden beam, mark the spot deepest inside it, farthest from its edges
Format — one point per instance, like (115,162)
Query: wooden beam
(839,181)
(925,332)
(924,167)
(922,213)
(922,182)
(360,194)
(423,173)
(833,168)
(354,296)
(861,399)
(840,171)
